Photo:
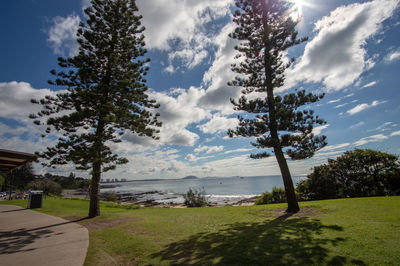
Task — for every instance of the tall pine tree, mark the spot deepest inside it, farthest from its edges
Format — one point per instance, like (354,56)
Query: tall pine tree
(106,93)
(265,30)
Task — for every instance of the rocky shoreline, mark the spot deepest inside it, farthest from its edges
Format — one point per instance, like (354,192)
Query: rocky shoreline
(151,198)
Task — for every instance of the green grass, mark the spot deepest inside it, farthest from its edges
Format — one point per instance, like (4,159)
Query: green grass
(363,231)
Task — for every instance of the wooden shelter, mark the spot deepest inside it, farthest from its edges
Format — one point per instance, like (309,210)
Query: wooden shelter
(9,160)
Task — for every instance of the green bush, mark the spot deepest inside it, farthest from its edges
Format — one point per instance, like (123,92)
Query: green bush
(111,197)
(358,173)
(195,198)
(277,195)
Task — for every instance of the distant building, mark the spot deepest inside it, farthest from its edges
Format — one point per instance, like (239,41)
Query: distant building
(108,180)
(123,179)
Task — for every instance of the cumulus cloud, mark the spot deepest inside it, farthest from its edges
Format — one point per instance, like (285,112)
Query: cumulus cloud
(217,124)
(15,100)
(178,109)
(396,133)
(218,93)
(337,56)
(180,27)
(62,35)
(364,106)
(209,149)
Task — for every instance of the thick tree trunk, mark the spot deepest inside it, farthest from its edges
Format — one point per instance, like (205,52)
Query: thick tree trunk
(94,209)
(293,206)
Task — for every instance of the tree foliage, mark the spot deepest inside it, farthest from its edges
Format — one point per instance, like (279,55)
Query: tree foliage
(105,93)
(19,177)
(48,187)
(265,30)
(358,173)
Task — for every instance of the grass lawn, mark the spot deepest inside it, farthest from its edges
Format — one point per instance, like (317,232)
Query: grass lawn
(362,231)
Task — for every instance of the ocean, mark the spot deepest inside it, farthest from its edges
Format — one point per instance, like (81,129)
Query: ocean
(220,190)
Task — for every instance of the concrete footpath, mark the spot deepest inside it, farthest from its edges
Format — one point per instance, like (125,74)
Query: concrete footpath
(32,238)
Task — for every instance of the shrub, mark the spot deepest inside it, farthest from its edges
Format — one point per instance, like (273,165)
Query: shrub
(358,173)
(46,185)
(111,197)
(195,198)
(276,196)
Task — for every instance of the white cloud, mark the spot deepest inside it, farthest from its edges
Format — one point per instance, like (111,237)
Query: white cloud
(218,93)
(218,124)
(336,56)
(359,124)
(393,56)
(369,85)
(384,127)
(180,27)
(374,138)
(364,106)
(237,150)
(396,133)
(335,101)
(177,113)
(209,149)
(15,100)
(317,130)
(335,147)
(62,35)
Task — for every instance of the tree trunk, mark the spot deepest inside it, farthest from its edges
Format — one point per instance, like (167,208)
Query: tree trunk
(94,209)
(293,206)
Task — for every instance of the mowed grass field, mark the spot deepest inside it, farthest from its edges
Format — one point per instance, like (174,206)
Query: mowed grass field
(361,231)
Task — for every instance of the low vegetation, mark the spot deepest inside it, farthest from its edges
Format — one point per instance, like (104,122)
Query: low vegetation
(329,232)
(277,195)
(195,198)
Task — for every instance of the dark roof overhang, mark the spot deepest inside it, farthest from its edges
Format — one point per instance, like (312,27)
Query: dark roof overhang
(9,160)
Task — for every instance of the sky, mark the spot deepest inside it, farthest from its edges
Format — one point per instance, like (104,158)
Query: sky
(353,55)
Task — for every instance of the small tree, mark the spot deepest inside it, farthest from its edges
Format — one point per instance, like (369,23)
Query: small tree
(195,198)
(106,93)
(47,186)
(265,31)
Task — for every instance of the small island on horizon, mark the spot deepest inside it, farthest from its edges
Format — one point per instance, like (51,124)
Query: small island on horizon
(190,177)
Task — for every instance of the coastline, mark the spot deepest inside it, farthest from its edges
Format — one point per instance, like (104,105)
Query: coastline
(157,198)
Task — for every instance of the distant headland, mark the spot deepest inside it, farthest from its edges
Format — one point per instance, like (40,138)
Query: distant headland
(190,177)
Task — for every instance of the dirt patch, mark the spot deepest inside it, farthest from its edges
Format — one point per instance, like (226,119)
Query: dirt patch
(97,224)
(304,212)
(280,212)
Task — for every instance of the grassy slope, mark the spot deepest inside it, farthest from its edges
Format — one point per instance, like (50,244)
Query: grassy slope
(361,231)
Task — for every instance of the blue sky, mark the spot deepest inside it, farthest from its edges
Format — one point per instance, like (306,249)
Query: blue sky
(353,55)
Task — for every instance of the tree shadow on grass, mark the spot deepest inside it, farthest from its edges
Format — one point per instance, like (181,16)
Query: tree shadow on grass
(282,241)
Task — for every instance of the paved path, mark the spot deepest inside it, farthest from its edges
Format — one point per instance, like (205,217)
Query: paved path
(32,238)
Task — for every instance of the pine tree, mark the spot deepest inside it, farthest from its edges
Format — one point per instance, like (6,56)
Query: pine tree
(265,30)
(106,93)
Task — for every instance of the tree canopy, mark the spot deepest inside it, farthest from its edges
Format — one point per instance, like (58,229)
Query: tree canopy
(105,93)
(265,31)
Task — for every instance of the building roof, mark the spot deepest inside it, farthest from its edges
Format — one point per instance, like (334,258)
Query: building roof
(10,160)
